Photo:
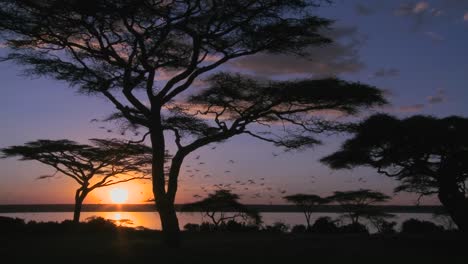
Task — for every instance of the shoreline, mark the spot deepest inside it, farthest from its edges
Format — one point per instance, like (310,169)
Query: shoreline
(45,208)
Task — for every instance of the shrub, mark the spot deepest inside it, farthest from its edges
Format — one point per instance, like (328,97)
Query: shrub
(415,226)
(324,225)
(299,229)
(355,228)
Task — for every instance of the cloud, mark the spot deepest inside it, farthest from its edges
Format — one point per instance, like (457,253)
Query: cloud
(411,108)
(465,17)
(434,36)
(363,10)
(328,60)
(440,97)
(420,7)
(390,72)
(412,9)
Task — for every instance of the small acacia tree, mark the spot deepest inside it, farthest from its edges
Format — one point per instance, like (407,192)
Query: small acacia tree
(359,204)
(105,163)
(425,154)
(144,56)
(307,203)
(222,206)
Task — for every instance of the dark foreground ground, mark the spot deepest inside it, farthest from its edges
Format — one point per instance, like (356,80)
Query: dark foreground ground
(219,248)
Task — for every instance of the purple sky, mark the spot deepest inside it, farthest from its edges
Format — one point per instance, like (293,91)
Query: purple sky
(415,50)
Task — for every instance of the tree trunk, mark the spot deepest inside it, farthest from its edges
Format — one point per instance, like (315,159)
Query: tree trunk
(79,198)
(455,203)
(169,223)
(164,202)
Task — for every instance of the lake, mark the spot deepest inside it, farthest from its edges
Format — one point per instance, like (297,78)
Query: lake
(151,219)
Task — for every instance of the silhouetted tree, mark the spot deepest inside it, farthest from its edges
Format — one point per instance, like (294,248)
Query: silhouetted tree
(105,163)
(143,56)
(359,203)
(307,203)
(426,154)
(222,206)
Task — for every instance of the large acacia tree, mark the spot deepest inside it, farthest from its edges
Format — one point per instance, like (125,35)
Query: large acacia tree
(427,155)
(145,55)
(104,163)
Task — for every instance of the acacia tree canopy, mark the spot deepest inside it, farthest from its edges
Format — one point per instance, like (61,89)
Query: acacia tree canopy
(307,203)
(427,155)
(223,205)
(106,162)
(359,203)
(144,56)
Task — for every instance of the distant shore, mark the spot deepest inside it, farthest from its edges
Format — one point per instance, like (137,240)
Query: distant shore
(44,208)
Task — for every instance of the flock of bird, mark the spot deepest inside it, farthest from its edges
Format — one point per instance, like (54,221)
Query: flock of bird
(197,173)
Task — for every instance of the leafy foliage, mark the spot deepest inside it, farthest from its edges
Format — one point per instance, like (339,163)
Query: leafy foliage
(307,203)
(427,155)
(106,162)
(223,205)
(357,204)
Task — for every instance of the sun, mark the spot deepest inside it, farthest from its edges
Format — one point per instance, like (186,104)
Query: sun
(118,195)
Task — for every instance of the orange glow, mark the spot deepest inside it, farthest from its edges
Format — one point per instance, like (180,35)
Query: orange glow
(118,195)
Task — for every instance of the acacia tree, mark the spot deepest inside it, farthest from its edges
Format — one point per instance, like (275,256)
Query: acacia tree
(425,154)
(222,206)
(359,204)
(307,203)
(144,56)
(105,163)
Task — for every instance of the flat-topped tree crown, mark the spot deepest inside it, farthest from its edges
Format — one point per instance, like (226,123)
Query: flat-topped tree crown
(427,155)
(308,203)
(106,162)
(144,56)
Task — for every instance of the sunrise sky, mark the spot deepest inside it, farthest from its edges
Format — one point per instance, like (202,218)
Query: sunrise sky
(415,50)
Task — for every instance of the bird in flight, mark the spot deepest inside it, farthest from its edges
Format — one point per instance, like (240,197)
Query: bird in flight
(44,177)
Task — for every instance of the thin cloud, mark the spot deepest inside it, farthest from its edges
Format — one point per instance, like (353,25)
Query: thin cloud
(465,17)
(342,56)
(440,97)
(420,7)
(411,108)
(390,72)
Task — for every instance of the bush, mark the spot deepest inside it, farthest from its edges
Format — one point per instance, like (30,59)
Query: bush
(324,225)
(277,227)
(192,227)
(415,226)
(355,228)
(8,224)
(299,229)
(386,227)
(99,224)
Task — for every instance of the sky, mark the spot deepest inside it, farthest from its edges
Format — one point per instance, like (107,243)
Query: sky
(414,50)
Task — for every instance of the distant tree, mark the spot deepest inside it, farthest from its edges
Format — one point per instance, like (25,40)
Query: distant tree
(307,203)
(360,204)
(104,163)
(427,155)
(222,206)
(144,57)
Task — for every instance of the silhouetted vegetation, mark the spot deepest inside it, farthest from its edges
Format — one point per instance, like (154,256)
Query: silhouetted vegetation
(115,48)
(222,206)
(325,225)
(105,163)
(415,226)
(359,204)
(425,154)
(307,203)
